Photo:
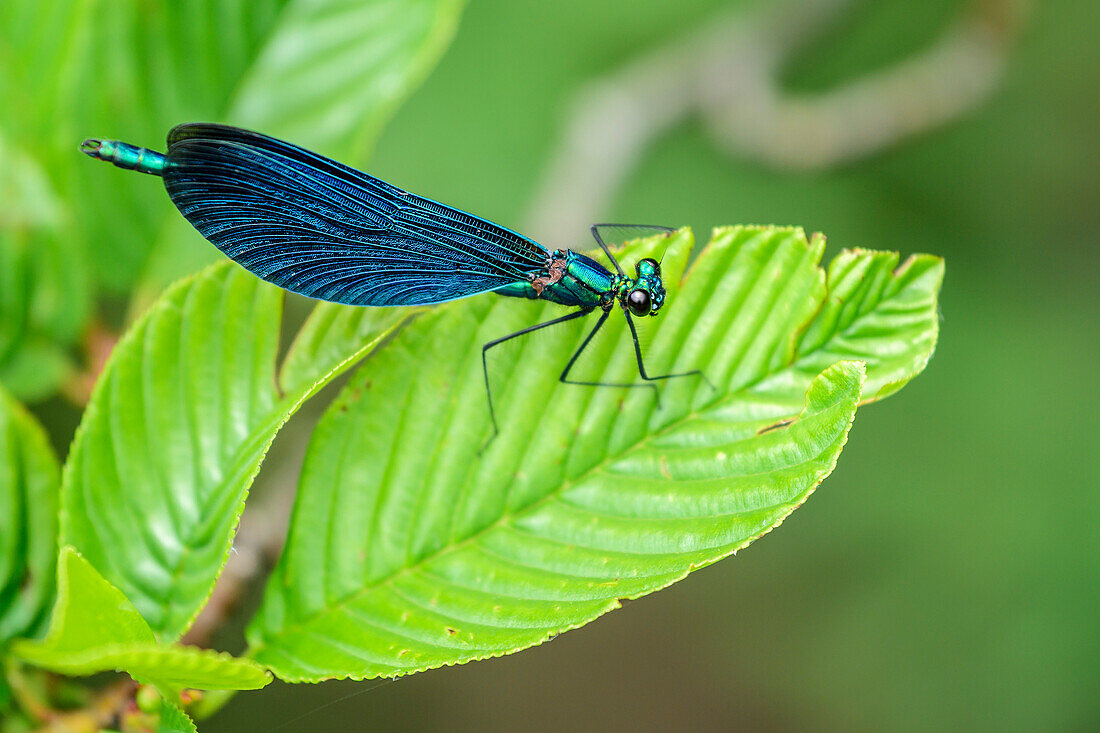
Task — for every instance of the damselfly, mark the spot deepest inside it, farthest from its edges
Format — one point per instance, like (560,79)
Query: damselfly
(319,228)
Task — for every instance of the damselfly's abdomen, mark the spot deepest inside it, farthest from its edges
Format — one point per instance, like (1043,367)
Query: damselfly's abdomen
(125,155)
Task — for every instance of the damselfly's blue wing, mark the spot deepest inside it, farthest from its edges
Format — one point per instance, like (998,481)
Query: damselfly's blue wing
(319,228)
(612,234)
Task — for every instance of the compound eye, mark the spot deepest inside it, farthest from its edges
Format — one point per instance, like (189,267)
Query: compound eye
(653,265)
(638,302)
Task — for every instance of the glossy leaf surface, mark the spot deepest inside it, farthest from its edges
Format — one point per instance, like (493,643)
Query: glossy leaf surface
(96,628)
(409,551)
(332,73)
(174,720)
(174,434)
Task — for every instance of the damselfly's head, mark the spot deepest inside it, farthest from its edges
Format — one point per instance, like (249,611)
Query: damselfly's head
(644,295)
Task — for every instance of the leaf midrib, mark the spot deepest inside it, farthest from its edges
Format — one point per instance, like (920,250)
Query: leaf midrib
(508,516)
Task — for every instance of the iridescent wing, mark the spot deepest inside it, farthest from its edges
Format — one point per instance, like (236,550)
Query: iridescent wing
(609,235)
(319,228)
(612,234)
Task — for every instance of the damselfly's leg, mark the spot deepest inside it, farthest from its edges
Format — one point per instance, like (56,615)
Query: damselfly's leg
(641,365)
(496,342)
(580,350)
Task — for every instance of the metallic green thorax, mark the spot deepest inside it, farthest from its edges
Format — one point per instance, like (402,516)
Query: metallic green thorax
(125,155)
(576,280)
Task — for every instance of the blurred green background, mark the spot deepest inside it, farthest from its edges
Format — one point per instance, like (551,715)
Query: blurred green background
(946,575)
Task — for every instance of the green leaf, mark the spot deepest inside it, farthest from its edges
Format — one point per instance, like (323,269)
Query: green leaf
(408,551)
(90,612)
(174,720)
(333,73)
(171,668)
(329,76)
(44,294)
(331,335)
(176,429)
(96,628)
(29,479)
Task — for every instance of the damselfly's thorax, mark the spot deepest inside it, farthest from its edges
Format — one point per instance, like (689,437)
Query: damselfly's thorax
(570,278)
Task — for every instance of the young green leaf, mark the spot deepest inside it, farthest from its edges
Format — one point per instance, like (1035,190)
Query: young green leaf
(175,432)
(408,551)
(29,478)
(96,628)
(174,720)
(331,74)
(332,334)
(89,613)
